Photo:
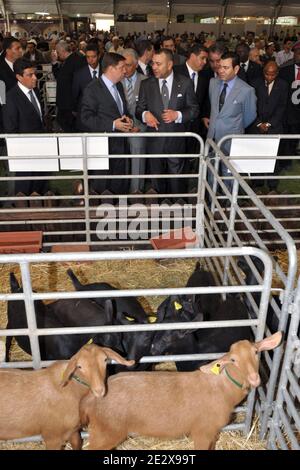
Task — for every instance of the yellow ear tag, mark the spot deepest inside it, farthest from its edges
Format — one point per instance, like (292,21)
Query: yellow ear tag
(177,306)
(129,318)
(215,369)
(90,341)
(152,319)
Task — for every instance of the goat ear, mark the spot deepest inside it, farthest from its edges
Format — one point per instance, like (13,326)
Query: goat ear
(69,371)
(271,342)
(215,367)
(116,357)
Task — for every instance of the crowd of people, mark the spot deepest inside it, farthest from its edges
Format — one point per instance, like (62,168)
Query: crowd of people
(158,83)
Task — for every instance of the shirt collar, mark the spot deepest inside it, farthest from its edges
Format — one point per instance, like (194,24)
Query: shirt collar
(169,80)
(191,71)
(132,78)
(10,64)
(92,70)
(230,83)
(24,88)
(107,81)
(143,66)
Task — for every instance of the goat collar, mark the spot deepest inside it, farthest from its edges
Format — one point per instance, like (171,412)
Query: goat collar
(80,381)
(235,382)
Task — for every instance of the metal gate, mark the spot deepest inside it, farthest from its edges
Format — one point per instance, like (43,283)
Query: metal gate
(222,254)
(285,421)
(228,223)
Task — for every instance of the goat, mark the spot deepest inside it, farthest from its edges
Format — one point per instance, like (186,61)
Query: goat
(55,315)
(198,404)
(127,305)
(200,341)
(47,401)
(205,303)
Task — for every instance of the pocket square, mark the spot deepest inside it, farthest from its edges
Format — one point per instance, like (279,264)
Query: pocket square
(235,102)
(179,95)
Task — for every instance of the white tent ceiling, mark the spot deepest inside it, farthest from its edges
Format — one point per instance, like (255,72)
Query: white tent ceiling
(157,7)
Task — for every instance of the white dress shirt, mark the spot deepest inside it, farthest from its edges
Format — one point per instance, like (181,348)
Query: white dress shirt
(92,71)
(10,64)
(191,71)
(169,84)
(26,92)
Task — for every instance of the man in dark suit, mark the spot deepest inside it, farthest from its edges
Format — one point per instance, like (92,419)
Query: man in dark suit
(291,74)
(104,109)
(197,59)
(11,52)
(84,76)
(64,74)
(22,113)
(145,53)
(166,103)
(169,43)
(249,70)
(272,97)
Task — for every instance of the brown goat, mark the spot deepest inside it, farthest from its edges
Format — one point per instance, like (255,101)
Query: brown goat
(47,401)
(173,404)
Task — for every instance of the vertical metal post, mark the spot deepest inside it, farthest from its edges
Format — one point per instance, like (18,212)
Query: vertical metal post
(30,314)
(234,196)
(86,191)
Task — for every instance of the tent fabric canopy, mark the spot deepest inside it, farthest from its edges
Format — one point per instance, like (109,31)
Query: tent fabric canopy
(156,7)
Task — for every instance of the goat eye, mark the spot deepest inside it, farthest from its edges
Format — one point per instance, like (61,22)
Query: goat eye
(232,360)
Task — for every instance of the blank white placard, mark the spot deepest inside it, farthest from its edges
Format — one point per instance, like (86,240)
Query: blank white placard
(97,146)
(256,148)
(33,147)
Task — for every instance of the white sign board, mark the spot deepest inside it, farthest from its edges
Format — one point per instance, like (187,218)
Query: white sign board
(32,147)
(97,146)
(256,148)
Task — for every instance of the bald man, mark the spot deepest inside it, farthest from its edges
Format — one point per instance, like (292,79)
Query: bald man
(272,96)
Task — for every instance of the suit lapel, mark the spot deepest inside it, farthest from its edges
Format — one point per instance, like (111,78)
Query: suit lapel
(232,95)
(157,94)
(108,94)
(176,88)
(25,101)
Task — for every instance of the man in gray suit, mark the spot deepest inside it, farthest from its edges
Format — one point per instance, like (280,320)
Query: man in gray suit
(233,105)
(233,102)
(131,84)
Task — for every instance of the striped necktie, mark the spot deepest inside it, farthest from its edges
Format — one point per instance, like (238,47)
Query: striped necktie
(118,99)
(129,91)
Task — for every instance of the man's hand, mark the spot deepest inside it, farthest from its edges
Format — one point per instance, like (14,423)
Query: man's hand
(169,115)
(263,127)
(206,122)
(123,124)
(151,120)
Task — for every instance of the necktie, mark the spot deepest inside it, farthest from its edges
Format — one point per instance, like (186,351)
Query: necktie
(94,74)
(193,78)
(298,74)
(117,99)
(165,94)
(243,65)
(129,91)
(222,96)
(148,70)
(34,103)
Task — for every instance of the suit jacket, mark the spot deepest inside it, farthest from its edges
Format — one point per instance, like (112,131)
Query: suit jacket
(254,71)
(238,112)
(99,110)
(64,74)
(149,68)
(182,98)
(287,73)
(7,75)
(271,108)
(82,78)
(202,85)
(132,106)
(19,115)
